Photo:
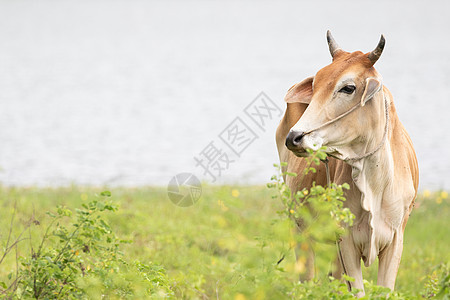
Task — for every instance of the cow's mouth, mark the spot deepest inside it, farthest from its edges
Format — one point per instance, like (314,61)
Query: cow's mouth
(300,153)
(333,152)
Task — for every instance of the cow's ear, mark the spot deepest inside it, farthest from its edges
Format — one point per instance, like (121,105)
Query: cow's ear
(300,92)
(373,86)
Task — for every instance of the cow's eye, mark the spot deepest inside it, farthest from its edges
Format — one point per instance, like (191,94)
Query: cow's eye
(348,89)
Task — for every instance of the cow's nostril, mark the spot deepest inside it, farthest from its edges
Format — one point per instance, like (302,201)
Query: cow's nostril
(298,139)
(294,139)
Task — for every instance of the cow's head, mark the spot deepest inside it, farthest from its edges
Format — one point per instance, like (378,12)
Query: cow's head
(350,79)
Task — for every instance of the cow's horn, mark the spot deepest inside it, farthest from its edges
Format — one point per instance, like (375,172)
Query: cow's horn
(375,54)
(334,47)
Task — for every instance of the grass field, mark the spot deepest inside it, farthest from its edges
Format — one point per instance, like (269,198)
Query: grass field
(227,245)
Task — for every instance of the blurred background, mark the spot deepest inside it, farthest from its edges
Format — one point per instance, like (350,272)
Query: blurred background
(128,92)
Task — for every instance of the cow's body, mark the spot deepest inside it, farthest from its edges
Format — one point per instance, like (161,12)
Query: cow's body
(383,185)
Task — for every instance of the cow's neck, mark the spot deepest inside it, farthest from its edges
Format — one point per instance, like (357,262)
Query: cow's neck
(374,177)
(373,174)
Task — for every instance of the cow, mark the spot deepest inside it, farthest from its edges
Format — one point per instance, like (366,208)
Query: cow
(347,108)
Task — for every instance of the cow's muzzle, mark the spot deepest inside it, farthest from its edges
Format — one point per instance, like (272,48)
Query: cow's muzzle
(294,141)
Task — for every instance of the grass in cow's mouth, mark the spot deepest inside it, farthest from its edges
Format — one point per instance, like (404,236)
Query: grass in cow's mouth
(227,245)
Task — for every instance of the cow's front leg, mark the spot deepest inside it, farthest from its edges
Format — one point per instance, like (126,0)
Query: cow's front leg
(350,258)
(389,261)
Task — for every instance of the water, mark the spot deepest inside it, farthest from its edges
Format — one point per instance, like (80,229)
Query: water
(128,92)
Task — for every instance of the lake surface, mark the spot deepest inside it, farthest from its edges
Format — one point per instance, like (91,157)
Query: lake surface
(129,92)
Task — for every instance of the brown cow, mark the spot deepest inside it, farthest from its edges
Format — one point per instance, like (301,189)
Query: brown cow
(346,107)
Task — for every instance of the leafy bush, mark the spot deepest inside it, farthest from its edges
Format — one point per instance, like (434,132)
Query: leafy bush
(438,282)
(319,210)
(81,258)
(323,219)
(229,245)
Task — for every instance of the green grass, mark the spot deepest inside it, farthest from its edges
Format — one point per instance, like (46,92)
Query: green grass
(227,245)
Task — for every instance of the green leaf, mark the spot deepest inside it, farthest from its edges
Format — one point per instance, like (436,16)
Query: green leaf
(105,194)
(321,155)
(52,215)
(348,278)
